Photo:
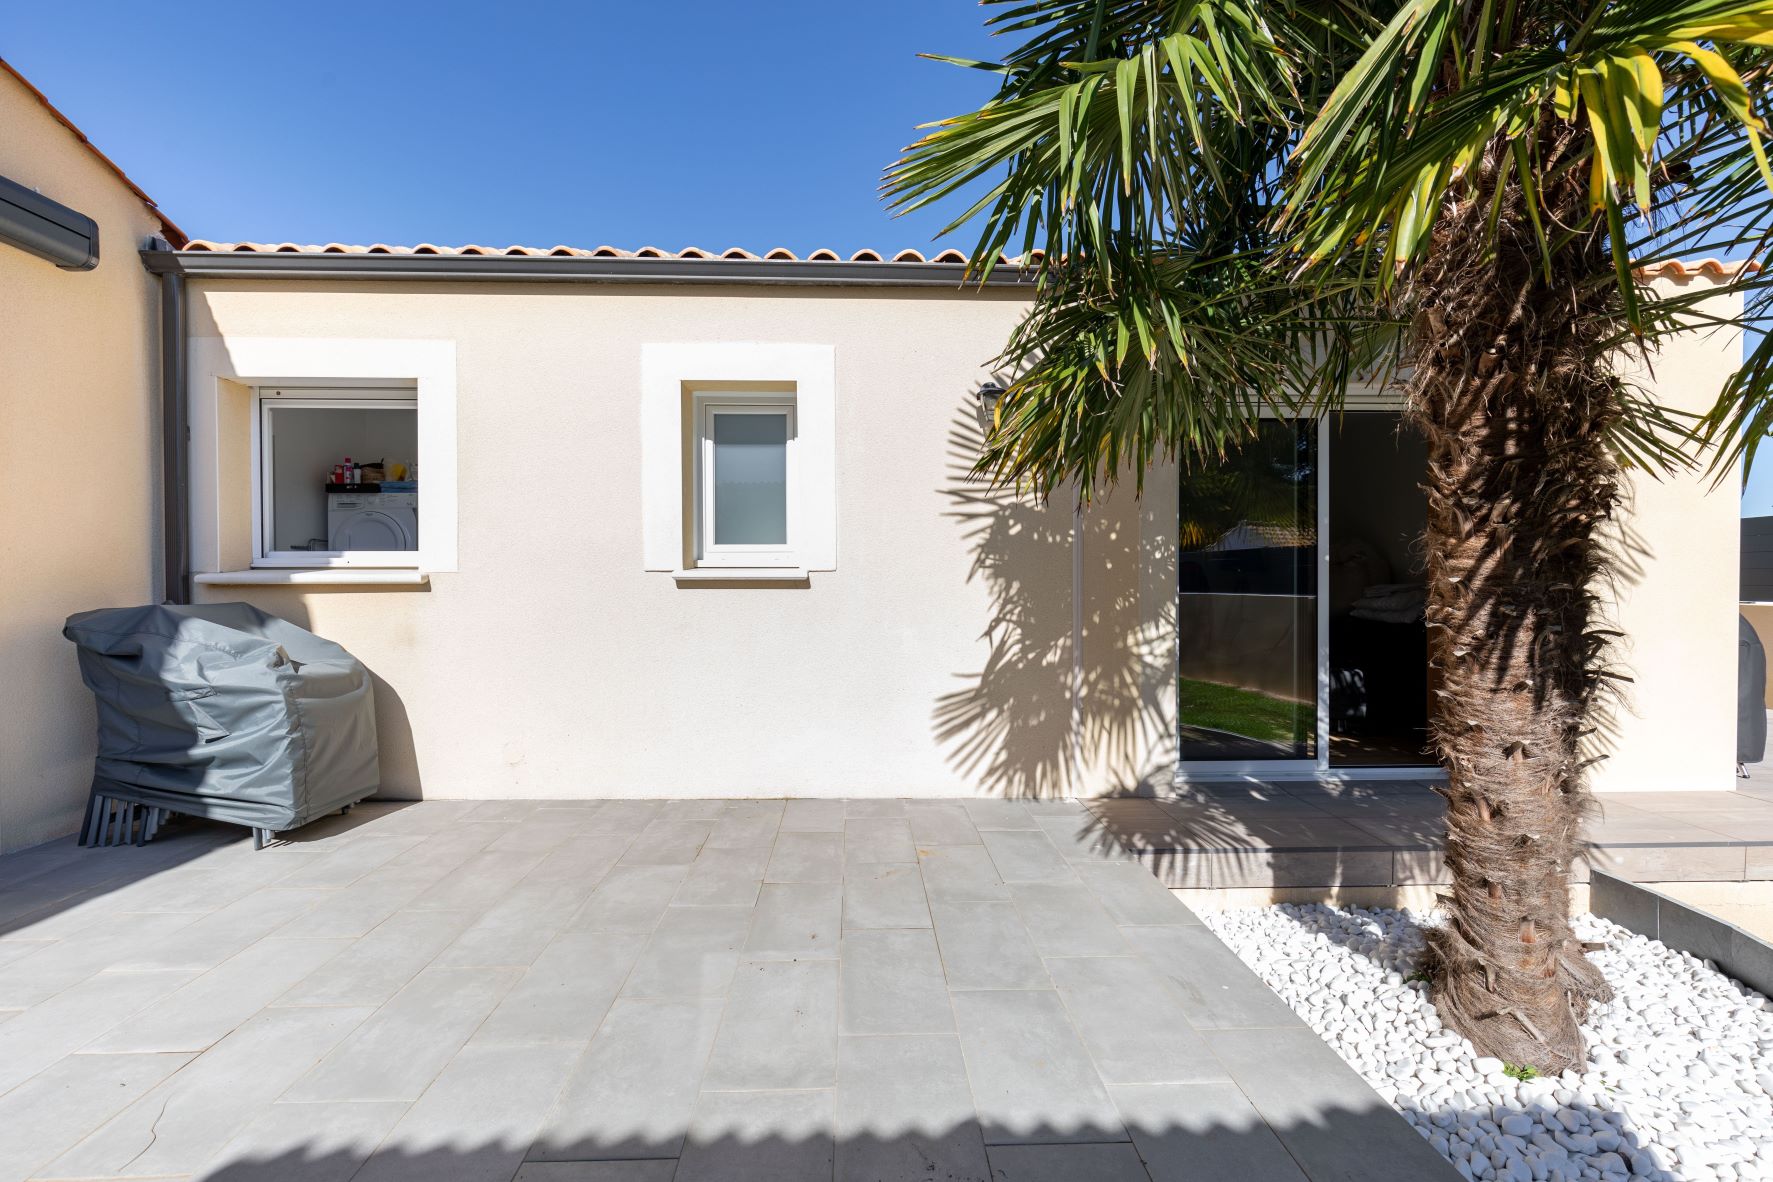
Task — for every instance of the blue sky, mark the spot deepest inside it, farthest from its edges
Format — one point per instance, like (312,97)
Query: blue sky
(711,124)
(698,123)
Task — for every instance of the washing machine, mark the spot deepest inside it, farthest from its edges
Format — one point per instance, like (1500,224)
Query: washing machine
(372,521)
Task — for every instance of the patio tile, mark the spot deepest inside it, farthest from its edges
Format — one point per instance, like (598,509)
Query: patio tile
(629,899)
(891,982)
(1067,1163)
(476,884)
(1738,824)
(1133,896)
(1202,1130)
(398,1051)
(747,823)
(724,877)
(878,839)
(1080,839)
(806,857)
(539,832)
(325,1142)
(656,1170)
(623,816)
(796,921)
(634,1091)
(692,953)
(985,946)
(903,1111)
(1031,1078)
(215,937)
(710,808)
(582,858)
(186,1120)
(503,1093)
(516,928)
(1026,856)
(960,874)
(59,1026)
(759,1137)
(66,1101)
(1217,989)
(1719,862)
(1133,1020)
(1066,919)
(374,968)
(668,842)
(565,994)
(813,816)
(55,966)
(884,895)
(940,823)
(349,862)
(1330,1121)
(203,1012)
(874,808)
(998,814)
(779,1029)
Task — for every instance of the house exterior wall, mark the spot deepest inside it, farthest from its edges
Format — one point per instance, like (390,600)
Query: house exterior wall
(942,656)
(78,413)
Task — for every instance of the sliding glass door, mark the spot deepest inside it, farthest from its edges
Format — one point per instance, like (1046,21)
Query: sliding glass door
(1247,612)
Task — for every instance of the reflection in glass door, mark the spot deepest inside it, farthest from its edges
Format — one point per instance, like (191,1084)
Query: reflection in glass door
(1246,612)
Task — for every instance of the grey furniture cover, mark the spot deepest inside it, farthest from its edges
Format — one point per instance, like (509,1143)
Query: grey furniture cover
(222,711)
(1751,695)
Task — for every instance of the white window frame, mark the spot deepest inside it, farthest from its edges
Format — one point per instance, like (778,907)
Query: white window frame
(263,475)
(708,552)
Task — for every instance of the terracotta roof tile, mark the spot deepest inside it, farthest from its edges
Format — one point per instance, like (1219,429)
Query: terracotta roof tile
(823,254)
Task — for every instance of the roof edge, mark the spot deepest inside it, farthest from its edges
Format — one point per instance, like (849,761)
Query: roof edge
(207,264)
(177,236)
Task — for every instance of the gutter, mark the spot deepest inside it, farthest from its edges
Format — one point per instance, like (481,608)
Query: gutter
(209,264)
(175,432)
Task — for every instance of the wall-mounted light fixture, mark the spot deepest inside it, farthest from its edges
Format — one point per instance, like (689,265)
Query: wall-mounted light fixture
(989,395)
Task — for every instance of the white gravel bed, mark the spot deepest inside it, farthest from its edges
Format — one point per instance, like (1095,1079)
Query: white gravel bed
(1680,1082)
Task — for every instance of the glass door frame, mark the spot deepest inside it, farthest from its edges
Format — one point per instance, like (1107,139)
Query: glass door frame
(1318,766)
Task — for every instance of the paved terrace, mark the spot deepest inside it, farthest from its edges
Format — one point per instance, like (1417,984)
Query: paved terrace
(1389,834)
(642,991)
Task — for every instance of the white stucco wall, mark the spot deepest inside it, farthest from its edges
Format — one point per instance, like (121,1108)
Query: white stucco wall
(78,498)
(937,658)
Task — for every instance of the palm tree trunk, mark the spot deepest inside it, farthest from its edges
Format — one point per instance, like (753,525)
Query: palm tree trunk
(1515,402)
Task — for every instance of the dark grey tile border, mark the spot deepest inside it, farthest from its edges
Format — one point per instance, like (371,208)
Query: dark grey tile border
(1682,927)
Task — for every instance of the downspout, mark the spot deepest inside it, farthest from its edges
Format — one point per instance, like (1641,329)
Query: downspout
(175,439)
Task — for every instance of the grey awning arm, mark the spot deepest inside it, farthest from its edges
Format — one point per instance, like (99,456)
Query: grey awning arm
(47,229)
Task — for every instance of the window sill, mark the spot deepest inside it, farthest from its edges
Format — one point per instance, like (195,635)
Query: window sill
(358,576)
(740,574)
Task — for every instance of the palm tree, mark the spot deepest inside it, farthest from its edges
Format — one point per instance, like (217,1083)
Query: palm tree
(1232,206)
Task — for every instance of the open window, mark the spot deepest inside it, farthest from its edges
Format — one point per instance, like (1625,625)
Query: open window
(747,487)
(336,480)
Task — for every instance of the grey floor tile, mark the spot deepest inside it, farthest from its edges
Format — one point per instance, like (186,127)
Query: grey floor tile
(1218,989)
(564,995)
(634,1091)
(502,1093)
(998,814)
(203,1012)
(67,1100)
(399,1050)
(891,982)
(1149,1041)
(502,810)
(878,839)
(940,823)
(374,968)
(630,899)
(985,946)
(477,883)
(304,1143)
(1202,1130)
(1081,838)
(710,808)
(904,1111)
(692,953)
(1067,1163)
(1066,919)
(960,874)
(349,862)
(348,915)
(724,877)
(747,823)
(582,858)
(796,921)
(806,857)
(759,1137)
(185,1121)
(813,816)
(884,895)
(71,960)
(59,1026)
(1132,895)
(667,842)
(1025,855)
(514,930)
(779,1029)
(1032,1080)
(891,807)
(657,1170)
(623,816)
(215,937)
(539,832)
(1331,1122)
